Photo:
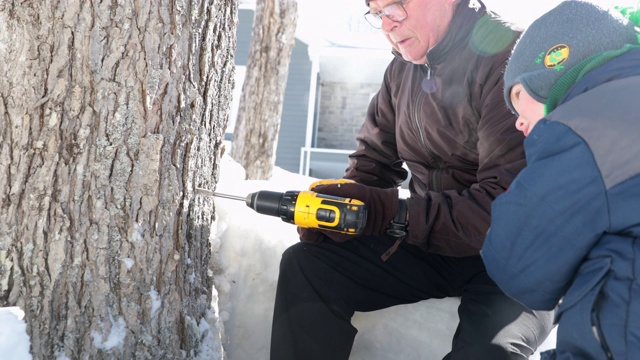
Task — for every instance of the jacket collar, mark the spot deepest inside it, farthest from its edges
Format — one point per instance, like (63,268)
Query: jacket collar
(605,67)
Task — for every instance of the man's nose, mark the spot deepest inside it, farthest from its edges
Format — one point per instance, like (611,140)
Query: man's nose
(387,24)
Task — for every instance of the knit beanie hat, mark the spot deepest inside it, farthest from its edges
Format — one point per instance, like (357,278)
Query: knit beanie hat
(560,39)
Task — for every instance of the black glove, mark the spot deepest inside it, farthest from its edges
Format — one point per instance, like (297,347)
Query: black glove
(382,206)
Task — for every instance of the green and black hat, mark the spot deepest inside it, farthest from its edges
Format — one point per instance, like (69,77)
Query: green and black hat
(569,34)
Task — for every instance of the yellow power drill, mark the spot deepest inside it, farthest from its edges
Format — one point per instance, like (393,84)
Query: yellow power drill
(306,209)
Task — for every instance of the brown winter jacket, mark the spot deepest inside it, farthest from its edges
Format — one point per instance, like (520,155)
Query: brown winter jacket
(448,122)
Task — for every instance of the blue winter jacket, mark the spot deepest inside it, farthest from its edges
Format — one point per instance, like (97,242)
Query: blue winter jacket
(567,231)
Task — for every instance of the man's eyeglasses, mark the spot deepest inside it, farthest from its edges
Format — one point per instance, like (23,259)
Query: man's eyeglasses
(394,12)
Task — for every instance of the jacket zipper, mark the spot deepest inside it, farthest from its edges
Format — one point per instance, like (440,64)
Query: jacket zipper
(597,331)
(437,162)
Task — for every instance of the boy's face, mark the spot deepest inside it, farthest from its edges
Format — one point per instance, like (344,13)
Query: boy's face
(530,111)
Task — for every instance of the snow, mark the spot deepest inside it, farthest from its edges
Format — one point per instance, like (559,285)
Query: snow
(155,301)
(128,262)
(14,342)
(115,337)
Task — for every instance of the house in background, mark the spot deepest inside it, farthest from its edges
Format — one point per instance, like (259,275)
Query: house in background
(336,67)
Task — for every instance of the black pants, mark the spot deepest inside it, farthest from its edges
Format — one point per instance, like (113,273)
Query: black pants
(321,286)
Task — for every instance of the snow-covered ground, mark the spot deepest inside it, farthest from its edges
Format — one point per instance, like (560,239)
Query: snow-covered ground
(14,342)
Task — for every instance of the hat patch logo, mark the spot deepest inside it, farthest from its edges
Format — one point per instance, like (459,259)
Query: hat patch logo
(556,56)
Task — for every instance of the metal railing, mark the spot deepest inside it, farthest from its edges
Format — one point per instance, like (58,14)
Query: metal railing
(306,158)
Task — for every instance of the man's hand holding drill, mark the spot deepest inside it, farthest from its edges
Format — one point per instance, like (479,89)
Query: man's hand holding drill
(382,208)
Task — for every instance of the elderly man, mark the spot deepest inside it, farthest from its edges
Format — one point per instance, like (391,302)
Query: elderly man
(440,110)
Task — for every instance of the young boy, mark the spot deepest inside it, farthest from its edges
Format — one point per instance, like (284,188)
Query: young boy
(567,231)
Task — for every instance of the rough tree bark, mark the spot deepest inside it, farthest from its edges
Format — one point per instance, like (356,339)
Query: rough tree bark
(256,130)
(110,114)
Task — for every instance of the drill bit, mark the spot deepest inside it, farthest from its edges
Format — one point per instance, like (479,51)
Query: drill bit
(205,192)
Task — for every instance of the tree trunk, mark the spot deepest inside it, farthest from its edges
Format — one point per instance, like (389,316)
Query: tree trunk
(256,130)
(110,114)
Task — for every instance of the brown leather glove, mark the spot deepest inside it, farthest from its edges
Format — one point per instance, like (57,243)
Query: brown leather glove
(382,206)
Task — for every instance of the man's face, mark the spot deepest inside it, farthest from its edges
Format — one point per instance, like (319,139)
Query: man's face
(425,25)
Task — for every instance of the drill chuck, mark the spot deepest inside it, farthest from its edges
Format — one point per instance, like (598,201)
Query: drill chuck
(265,202)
